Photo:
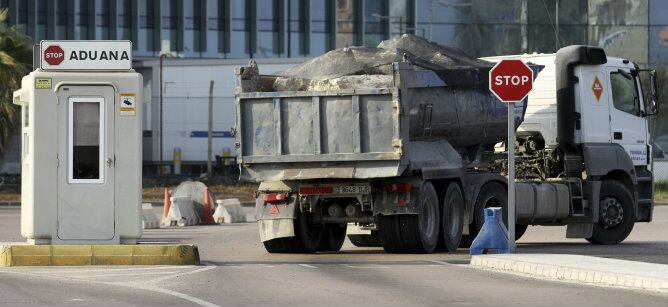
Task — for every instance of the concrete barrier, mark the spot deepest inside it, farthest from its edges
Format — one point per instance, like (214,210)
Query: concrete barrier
(149,220)
(229,211)
(182,213)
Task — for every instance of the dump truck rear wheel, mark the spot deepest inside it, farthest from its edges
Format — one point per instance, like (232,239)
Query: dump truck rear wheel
(413,233)
(306,239)
(616,214)
(453,217)
(332,238)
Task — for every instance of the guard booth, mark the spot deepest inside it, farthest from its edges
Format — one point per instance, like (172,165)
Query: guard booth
(81,147)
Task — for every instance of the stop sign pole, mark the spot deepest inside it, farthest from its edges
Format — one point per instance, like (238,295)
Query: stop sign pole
(511,81)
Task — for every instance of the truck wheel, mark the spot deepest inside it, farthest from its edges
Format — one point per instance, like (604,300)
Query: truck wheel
(492,194)
(413,233)
(332,238)
(453,217)
(371,240)
(616,214)
(276,246)
(306,239)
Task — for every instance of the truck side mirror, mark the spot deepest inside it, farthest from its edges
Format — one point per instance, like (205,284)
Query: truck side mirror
(651,105)
(651,102)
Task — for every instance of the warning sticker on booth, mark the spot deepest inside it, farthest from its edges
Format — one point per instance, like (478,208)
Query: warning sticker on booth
(43,83)
(128,104)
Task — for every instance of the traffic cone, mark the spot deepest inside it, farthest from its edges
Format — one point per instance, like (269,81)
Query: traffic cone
(167,203)
(208,213)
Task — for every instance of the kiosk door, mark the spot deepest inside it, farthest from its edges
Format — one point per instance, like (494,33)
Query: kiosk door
(86,162)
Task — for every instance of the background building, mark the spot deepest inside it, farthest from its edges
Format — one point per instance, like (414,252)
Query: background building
(205,39)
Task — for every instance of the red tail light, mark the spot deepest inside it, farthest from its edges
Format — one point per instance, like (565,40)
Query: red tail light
(399,187)
(275,198)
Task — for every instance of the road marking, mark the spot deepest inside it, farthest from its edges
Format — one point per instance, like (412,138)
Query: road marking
(440,262)
(307,265)
(366,266)
(184,296)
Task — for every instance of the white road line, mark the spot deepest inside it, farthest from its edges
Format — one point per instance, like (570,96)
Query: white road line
(440,262)
(171,273)
(132,285)
(366,266)
(184,296)
(307,265)
(208,266)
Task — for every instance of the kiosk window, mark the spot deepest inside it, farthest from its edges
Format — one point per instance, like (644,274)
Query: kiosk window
(86,140)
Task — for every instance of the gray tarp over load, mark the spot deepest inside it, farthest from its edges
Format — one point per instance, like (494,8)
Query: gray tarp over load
(362,112)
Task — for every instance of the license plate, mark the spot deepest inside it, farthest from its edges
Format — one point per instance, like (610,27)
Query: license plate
(352,189)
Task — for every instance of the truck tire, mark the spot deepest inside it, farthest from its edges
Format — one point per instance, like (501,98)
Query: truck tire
(413,233)
(371,240)
(616,214)
(332,238)
(453,217)
(492,194)
(306,240)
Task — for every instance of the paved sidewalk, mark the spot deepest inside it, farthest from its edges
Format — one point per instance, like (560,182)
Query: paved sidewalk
(583,269)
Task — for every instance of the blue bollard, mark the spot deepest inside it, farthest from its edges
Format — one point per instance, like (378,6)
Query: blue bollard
(493,235)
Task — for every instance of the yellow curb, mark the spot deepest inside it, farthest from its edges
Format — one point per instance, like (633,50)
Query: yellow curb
(21,254)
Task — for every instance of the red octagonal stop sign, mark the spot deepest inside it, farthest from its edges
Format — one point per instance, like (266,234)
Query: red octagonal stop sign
(54,55)
(510,80)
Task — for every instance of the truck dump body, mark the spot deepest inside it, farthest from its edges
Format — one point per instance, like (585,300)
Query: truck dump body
(367,113)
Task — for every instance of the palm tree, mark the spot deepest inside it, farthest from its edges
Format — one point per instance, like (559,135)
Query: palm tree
(15,62)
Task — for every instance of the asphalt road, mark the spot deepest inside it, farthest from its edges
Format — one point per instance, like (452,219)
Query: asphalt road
(237,271)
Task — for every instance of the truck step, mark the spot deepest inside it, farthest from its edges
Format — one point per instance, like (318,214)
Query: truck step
(644,179)
(645,201)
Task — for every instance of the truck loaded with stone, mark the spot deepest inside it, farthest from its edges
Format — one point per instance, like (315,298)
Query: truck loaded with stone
(403,146)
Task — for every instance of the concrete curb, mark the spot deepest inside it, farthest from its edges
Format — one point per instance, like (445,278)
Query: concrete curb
(21,254)
(581,269)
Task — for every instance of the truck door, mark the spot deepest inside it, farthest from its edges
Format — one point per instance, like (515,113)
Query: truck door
(627,126)
(86,163)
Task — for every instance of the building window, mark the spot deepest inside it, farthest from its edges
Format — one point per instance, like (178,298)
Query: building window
(400,16)
(348,23)
(102,19)
(125,19)
(322,26)
(61,20)
(40,27)
(170,26)
(81,21)
(240,11)
(376,23)
(298,22)
(146,27)
(270,20)
(194,23)
(222,26)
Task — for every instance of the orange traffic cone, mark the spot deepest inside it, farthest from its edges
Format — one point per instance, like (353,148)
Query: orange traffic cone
(208,214)
(167,203)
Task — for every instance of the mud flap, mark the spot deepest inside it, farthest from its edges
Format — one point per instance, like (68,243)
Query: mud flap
(275,220)
(276,228)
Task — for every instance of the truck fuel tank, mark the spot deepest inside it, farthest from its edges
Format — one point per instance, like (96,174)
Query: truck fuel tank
(541,202)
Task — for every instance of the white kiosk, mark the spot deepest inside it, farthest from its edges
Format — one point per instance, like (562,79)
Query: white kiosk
(81,155)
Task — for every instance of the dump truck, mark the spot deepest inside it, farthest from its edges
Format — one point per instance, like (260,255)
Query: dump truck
(405,145)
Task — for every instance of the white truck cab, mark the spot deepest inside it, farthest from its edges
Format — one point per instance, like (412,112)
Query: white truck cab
(587,123)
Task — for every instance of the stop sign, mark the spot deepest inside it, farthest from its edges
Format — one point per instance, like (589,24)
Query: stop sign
(510,80)
(54,55)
